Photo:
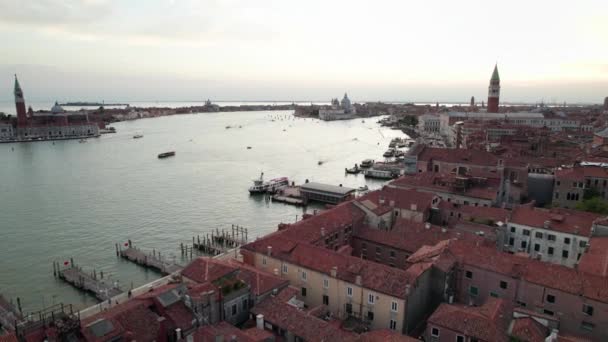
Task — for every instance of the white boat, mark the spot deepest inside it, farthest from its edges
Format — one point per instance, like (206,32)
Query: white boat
(259,186)
(367,163)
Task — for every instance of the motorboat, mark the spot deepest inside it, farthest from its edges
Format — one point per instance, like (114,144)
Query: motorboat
(166,154)
(367,163)
(137,136)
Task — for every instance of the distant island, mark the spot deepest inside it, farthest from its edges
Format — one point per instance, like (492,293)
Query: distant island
(91,104)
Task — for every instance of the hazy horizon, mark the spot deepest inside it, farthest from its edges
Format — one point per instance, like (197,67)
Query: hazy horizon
(241,50)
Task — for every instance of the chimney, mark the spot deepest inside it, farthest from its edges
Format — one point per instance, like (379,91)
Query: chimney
(276,271)
(358,280)
(322,231)
(381,200)
(451,299)
(391,203)
(259,321)
(269,249)
(547,224)
(413,207)
(407,289)
(443,230)
(233,338)
(334,271)
(553,336)
(178,333)
(427,226)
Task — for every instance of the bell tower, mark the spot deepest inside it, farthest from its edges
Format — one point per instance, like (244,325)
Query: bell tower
(494,91)
(20,105)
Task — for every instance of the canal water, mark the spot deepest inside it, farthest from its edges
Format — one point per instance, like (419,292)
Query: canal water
(65,199)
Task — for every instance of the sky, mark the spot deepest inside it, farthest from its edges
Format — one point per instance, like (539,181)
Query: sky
(284,50)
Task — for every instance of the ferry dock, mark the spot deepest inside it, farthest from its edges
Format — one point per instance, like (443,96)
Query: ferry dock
(72,274)
(152,260)
(219,242)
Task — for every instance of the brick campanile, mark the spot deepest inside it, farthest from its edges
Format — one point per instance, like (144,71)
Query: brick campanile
(494,91)
(20,105)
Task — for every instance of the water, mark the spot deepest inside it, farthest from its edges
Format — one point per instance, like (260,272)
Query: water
(69,199)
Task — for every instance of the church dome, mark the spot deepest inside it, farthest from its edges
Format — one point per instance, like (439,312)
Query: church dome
(57,109)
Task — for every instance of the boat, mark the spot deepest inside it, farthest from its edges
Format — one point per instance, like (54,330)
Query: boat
(166,154)
(353,170)
(389,153)
(137,136)
(259,186)
(320,162)
(249,147)
(379,174)
(82,141)
(276,184)
(367,163)
(363,188)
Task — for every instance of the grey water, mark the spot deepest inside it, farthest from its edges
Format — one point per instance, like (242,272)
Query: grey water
(65,199)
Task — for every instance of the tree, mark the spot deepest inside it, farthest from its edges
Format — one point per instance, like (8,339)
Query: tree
(410,120)
(594,205)
(590,193)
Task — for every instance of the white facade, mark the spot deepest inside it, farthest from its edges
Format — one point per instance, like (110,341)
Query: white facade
(6,131)
(545,244)
(429,123)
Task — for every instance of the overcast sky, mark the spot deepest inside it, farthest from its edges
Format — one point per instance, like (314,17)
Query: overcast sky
(304,50)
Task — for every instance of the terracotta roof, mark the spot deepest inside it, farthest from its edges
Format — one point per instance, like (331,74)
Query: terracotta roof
(527,329)
(560,219)
(399,198)
(208,333)
(579,173)
(279,313)
(483,188)
(460,156)
(595,259)
(494,214)
(132,317)
(261,282)
(385,335)
(486,322)
(8,338)
(205,269)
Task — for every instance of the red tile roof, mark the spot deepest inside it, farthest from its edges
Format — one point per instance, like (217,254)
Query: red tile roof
(460,156)
(8,338)
(204,269)
(208,333)
(133,317)
(528,329)
(560,219)
(483,188)
(486,322)
(261,282)
(491,213)
(380,201)
(595,259)
(279,313)
(385,335)
(579,173)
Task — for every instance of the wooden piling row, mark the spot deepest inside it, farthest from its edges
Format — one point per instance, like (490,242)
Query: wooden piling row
(88,282)
(218,242)
(152,260)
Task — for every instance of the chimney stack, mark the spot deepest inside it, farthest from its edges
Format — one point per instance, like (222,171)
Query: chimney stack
(269,249)
(334,271)
(259,321)
(178,333)
(358,280)
(322,231)
(413,207)
(427,226)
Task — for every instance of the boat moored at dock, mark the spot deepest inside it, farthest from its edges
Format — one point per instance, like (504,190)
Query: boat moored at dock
(260,186)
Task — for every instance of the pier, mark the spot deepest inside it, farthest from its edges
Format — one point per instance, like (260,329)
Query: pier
(75,276)
(219,241)
(290,195)
(9,314)
(153,260)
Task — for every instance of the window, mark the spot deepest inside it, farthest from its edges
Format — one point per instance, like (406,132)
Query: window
(524,244)
(459,338)
(349,291)
(588,309)
(364,246)
(512,229)
(378,250)
(245,304)
(548,312)
(526,232)
(551,237)
(582,244)
(536,247)
(503,284)
(435,332)
(263,260)
(325,283)
(468,274)
(233,309)
(567,240)
(394,306)
(550,251)
(493,294)
(522,304)
(392,253)
(511,241)
(370,315)
(304,275)
(587,326)
(349,308)
(303,292)
(284,268)
(550,298)
(325,299)
(370,298)
(538,235)
(564,254)
(473,291)
(393,325)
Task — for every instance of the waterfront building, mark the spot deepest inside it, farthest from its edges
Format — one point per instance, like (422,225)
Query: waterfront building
(47,125)
(429,123)
(339,110)
(494,91)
